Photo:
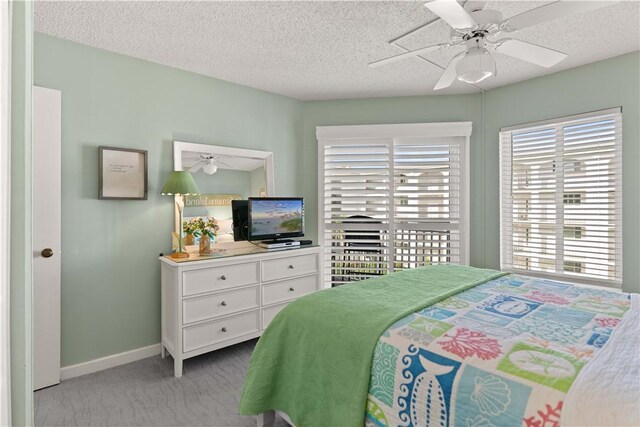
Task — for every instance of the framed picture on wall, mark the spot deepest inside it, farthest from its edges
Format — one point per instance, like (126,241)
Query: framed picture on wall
(122,173)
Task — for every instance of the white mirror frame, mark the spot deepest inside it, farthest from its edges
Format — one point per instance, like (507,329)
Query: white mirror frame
(267,156)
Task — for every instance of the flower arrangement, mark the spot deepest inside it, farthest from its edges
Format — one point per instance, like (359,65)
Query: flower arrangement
(189,227)
(199,226)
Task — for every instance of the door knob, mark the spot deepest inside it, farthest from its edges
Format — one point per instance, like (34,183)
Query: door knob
(47,253)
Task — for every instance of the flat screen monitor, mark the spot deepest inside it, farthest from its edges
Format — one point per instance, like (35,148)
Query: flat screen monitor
(276,218)
(240,216)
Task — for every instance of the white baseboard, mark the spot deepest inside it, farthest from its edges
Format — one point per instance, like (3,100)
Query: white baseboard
(107,362)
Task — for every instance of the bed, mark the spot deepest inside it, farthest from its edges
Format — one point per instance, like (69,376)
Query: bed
(451,346)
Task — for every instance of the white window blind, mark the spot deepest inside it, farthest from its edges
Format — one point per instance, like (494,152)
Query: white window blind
(391,203)
(561,197)
(427,202)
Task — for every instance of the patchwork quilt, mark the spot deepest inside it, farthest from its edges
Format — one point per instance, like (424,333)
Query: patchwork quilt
(504,353)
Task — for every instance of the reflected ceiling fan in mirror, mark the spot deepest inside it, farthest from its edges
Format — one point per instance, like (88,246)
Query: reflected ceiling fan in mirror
(485,31)
(209,164)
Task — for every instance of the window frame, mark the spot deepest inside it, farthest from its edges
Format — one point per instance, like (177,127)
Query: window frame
(562,122)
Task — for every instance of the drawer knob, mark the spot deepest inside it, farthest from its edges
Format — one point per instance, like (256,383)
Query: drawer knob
(223,277)
(224,329)
(291,289)
(223,303)
(291,267)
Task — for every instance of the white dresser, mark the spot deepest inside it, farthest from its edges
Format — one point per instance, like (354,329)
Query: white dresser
(212,302)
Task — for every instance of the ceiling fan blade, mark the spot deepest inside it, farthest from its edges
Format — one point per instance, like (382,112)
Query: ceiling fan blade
(550,12)
(197,166)
(449,74)
(530,52)
(223,164)
(452,13)
(406,55)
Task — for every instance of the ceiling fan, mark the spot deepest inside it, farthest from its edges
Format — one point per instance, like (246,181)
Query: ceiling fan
(209,164)
(480,30)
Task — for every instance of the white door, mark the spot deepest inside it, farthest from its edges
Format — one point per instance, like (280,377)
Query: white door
(47,157)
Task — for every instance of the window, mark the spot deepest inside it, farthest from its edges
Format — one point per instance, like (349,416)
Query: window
(572,165)
(561,197)
(572,198)
(392,197)
(573,232)
(573,266)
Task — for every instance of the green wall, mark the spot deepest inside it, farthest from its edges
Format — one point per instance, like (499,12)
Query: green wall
(110,269)
(21,256)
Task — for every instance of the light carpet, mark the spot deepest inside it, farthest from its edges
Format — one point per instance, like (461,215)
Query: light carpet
(145,393)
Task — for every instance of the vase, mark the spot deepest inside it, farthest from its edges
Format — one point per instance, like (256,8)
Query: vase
(189,239)
(205,245)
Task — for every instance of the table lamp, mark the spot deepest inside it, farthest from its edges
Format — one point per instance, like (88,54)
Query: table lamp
(180,183)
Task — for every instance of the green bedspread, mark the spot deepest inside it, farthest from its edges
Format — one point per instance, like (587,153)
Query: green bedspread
(314,360)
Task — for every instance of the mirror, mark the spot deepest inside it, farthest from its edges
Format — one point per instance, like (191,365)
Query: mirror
(222,174)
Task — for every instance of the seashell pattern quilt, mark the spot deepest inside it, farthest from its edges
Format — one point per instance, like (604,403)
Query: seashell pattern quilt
(504,353)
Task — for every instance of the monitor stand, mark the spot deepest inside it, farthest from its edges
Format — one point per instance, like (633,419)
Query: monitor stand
(279,244)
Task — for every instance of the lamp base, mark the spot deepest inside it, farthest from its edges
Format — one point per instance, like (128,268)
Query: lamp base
(179,255)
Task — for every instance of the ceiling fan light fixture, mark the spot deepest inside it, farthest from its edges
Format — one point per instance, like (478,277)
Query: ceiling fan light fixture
(476,66)
(210,167)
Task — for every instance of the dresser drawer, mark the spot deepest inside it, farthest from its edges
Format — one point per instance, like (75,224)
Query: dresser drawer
(212,305)
(211,279)
(289,289)
(270,312)
(217,331)
(284,268)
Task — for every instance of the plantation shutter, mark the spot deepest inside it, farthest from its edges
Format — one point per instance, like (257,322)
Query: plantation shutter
(561,197)
(427,202)
(357,209)
(390,202)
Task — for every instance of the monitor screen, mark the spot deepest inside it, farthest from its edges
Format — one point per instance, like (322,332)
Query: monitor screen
(276,217)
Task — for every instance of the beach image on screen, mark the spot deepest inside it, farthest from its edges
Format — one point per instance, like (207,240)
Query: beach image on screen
(276,217)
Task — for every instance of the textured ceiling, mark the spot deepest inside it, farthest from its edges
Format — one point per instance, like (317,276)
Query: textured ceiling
(320,49)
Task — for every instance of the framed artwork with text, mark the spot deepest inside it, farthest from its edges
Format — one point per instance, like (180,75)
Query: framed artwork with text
(122,174)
